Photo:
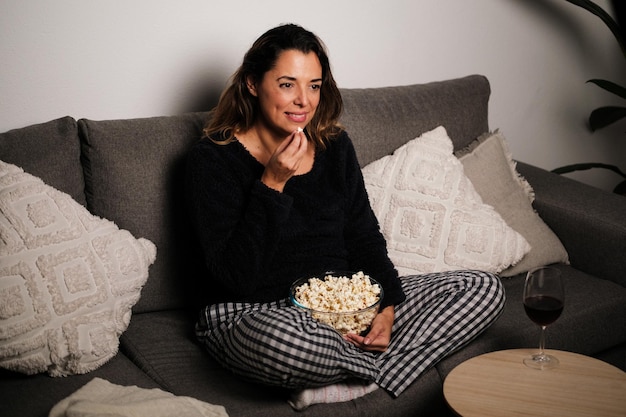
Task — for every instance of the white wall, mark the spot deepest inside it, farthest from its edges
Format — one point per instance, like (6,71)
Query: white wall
(134,58)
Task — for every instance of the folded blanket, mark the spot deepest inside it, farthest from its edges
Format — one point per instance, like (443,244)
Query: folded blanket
(102,398)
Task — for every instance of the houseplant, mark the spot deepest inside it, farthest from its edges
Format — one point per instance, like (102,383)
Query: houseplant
(606,115)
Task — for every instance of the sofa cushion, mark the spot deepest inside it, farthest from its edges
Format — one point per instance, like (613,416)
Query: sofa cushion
(185,368)
(488,163)
(430,214)
(50,151)
(34,395)
(134,174)
(68,279)
(395,115)
(591,323)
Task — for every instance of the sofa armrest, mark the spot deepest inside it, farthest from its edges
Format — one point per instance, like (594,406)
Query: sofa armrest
(591,223)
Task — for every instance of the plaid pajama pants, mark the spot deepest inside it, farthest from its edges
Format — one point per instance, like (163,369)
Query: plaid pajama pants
(278,344)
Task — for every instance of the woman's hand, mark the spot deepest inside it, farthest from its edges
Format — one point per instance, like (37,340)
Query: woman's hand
(377,339)
(285,161)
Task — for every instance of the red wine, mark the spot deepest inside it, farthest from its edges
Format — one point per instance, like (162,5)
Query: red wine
(543,309)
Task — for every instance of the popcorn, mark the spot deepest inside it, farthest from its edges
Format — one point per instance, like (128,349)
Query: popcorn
(299,129)
(335,299)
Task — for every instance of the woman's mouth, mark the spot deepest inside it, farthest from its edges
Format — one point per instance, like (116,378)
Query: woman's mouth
(297,117)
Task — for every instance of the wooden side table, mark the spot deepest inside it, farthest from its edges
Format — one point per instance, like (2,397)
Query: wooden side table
(499,384)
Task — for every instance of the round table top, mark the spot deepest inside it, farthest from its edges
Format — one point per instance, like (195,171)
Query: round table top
(499,384)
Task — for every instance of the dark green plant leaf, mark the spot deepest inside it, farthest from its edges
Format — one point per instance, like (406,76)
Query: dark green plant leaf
(609,86)
(620,188)
(605,17)
(585,166)
(604,116)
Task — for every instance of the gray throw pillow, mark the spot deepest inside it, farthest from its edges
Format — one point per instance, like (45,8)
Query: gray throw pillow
(489,165)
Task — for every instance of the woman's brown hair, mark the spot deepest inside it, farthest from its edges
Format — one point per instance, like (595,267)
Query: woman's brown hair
(237,109)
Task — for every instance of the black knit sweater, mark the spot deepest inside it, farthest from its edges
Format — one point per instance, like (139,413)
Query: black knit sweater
(257,241)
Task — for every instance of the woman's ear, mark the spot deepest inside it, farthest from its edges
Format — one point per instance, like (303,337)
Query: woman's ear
(251,86)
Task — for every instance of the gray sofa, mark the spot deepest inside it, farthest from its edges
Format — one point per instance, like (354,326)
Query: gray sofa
(130,171)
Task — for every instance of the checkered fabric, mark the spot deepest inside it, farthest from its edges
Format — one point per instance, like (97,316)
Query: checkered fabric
(278,344)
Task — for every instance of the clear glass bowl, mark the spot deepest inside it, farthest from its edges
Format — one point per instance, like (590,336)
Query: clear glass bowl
(344,322)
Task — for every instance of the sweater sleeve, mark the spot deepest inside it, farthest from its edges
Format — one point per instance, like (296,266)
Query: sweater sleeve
(366,245)
(236,217)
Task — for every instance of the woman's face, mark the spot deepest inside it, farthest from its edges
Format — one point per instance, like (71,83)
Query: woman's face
(289,93)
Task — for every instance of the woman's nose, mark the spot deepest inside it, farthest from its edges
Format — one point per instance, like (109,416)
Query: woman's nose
(302,98)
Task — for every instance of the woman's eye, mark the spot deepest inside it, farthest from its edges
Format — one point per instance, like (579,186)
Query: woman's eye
(286,85)
(316,86)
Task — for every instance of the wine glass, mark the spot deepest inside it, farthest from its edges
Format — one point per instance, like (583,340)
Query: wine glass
(543,302)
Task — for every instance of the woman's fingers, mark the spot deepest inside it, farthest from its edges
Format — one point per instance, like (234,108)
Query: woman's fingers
(285,161)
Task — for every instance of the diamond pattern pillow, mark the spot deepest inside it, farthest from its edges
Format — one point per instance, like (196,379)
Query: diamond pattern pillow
(431,215)
(68,279)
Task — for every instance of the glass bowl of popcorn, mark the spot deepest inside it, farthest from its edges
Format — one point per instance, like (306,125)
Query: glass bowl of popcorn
(346,301)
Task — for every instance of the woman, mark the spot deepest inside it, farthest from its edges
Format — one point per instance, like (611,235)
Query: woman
(276,193)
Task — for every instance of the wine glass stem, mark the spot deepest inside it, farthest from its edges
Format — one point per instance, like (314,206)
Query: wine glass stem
(542,340)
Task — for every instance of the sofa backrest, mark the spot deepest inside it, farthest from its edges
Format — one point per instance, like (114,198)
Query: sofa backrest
(134,176)
(133,169)
(380,120)
(50,151)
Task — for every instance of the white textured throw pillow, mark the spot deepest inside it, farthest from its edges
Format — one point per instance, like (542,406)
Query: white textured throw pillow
(430,214)
(68,279)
